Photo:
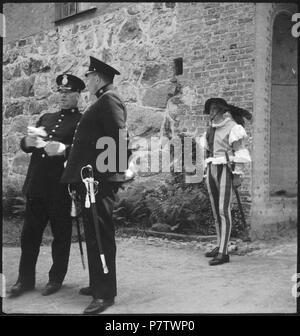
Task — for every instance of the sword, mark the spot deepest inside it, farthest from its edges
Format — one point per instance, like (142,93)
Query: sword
(74,216)
(90,202)
(235,189)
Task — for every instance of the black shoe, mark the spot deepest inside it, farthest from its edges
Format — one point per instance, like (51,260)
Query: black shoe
(19,288)
(98,306)
(85,291)
(51,288)
(219,259)
(213,253)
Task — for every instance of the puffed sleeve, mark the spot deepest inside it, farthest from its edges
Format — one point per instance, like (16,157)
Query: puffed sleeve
(241,157)
(202,141)
(237,132)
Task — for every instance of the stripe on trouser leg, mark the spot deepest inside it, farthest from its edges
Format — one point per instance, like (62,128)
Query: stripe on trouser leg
(224,209)
(214,198)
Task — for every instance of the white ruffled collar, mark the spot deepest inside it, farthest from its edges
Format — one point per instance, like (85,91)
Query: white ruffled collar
(222,123)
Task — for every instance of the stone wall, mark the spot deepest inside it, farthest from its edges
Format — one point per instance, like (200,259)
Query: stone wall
(216,41)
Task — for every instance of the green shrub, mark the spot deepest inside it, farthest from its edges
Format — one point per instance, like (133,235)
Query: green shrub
(185,207)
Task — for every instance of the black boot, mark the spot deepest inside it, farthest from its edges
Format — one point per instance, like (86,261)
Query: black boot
(219,259)
(98,306)
(20,287)
(85,291)
(51,288)
(213,253)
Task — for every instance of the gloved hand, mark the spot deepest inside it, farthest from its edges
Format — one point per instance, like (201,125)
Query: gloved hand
(53,148)
(34,141)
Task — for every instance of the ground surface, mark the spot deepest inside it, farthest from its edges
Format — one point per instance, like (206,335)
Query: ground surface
(163,276)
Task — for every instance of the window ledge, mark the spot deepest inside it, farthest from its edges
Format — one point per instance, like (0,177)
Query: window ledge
(89,10)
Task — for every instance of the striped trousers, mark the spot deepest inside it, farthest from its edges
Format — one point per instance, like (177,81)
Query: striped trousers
(219,185)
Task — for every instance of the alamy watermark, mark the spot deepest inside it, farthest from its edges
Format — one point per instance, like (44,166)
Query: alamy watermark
(296,27)
(2,285)
(2,25)
(154,155)
(296,286)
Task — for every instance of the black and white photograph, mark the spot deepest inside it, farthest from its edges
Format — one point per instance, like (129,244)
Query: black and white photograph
(150,160)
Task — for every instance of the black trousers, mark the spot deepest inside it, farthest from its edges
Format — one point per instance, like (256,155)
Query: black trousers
(38,212)
(103,286)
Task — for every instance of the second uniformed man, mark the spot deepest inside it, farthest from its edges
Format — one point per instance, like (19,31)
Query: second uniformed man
(104,118)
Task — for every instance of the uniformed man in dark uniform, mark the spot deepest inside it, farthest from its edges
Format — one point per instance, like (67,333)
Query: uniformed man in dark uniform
(47,198)
(104,118)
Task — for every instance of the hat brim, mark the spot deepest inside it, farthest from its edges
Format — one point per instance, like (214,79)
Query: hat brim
(65,88)
(238,111)
(89,72)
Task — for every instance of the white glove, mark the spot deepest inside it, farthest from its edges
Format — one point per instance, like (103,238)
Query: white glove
(53,148)
(36,131)
(34,141)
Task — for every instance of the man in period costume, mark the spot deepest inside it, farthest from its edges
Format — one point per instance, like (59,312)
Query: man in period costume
(46,198)
(225,135)
(104,118)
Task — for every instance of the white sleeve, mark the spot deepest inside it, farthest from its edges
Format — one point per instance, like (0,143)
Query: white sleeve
(237,132)
(202,141)
(242,156)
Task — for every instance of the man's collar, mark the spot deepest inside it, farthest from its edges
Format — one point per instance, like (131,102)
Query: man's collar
(71,110)
(104,88)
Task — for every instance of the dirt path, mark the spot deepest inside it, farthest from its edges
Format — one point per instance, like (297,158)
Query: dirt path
(161,276)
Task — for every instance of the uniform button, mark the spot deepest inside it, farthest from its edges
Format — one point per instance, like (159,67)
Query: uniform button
(43,155)
(50,136)
(59,120)
(62,115)
(56,126)
(53,131)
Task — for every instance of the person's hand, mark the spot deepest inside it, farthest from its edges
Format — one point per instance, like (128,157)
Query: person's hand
(36,131)
(53,148)
(34,141)
(236,182)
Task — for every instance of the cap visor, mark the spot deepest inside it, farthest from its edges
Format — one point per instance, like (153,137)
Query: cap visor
(89,72)
(64,88)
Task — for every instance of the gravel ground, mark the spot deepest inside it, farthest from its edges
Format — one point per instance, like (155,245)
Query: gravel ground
(158,275)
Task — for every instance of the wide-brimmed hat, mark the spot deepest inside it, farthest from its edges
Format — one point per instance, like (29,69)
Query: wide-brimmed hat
(218,101)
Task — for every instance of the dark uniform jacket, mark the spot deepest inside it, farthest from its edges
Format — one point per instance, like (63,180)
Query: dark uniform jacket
(104,118)
(44,172)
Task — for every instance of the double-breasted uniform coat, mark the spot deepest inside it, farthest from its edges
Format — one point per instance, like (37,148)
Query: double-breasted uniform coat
(47,199)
